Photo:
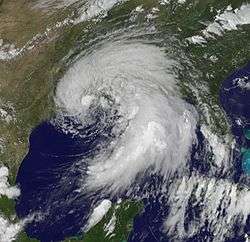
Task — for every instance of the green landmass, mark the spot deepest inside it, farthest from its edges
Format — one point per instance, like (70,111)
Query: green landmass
(7,206)
(124,214)
(23,237)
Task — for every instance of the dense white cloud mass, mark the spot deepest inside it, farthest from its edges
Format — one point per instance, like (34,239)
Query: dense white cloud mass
(8,230)
(98,213)
(5,188)
(159,125)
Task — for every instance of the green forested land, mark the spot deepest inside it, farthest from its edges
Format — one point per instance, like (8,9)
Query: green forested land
(124,213)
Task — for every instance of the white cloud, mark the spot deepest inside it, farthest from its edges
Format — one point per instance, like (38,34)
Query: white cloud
(219,148)
(217,204)
(5,188)
(8,230)
(160,126)
(95,8)
(110,226)
(52,4)
(98,213)
(228,20)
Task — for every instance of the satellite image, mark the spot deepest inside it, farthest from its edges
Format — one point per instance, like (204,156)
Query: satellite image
(125,120)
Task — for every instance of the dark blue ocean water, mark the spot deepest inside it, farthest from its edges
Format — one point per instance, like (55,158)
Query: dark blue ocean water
(51,175)
(235,100)
(45,187)
(51,179)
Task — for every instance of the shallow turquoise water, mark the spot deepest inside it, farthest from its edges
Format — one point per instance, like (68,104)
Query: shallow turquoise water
(246,160)
(247,134)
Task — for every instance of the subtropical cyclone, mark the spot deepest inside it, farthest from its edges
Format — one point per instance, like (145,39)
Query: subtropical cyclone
(154,128)
(123,130)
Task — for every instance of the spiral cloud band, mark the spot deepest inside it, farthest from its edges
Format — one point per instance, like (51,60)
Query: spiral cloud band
(156,127)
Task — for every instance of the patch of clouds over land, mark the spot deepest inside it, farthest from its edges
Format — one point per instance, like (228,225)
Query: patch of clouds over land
(54,4)
(98,213)
(5,188)
(8,229)
(228,20)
